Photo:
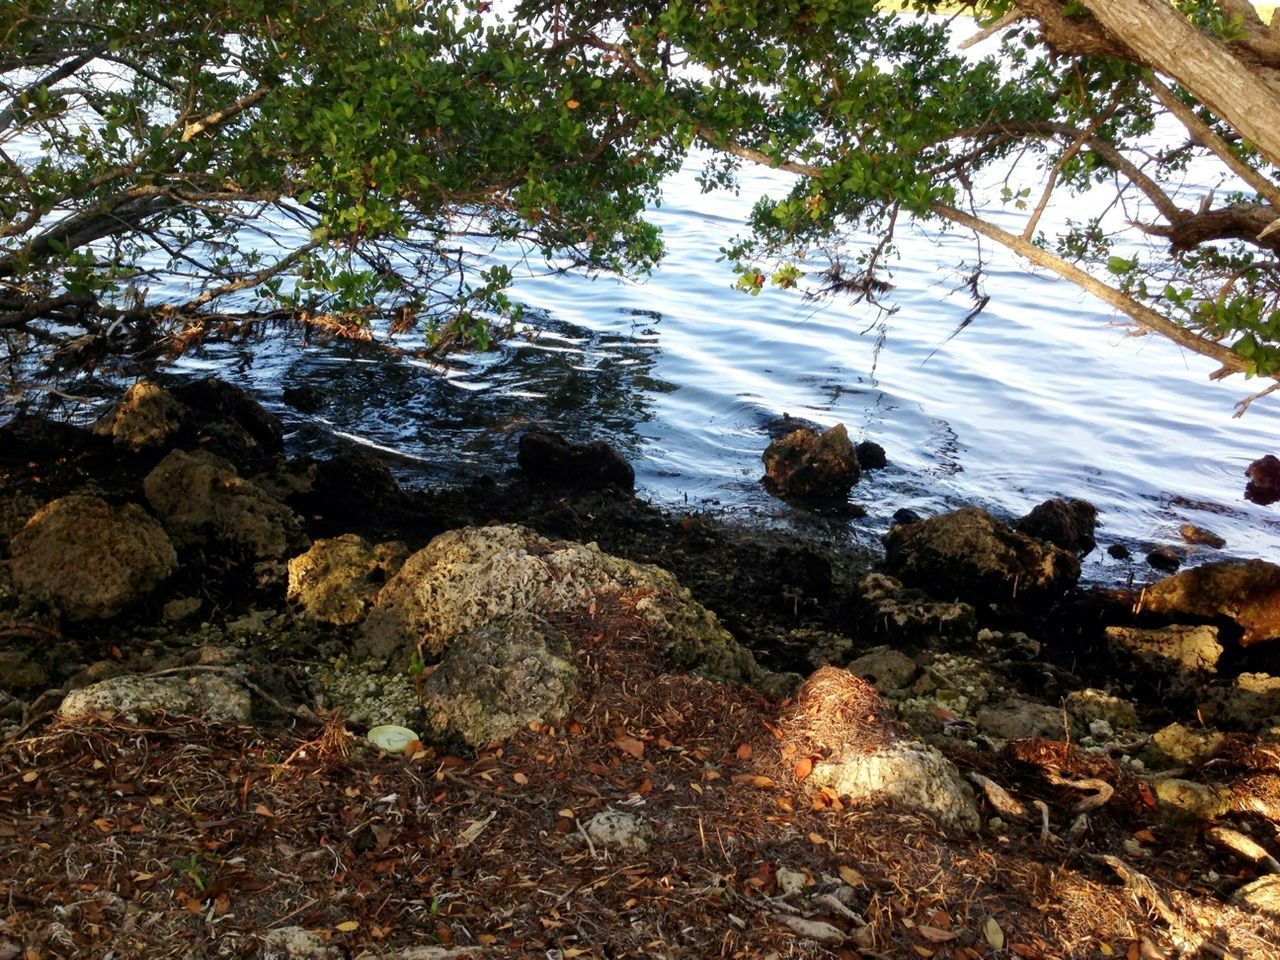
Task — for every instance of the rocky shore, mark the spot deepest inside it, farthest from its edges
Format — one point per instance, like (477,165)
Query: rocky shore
(633,733)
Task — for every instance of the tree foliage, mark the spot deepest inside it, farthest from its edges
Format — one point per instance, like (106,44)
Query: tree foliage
(351,160)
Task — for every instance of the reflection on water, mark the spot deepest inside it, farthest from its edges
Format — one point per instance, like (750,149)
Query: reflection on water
(1039,398)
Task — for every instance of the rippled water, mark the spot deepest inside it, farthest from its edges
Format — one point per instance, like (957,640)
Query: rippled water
(1039,397)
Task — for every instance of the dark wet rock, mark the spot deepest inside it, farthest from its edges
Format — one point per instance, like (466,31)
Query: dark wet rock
(337,580)
(906,615)
(549,458)
(865,759)
(464,578)
(1185,649)
(970,554)
(1246,593)
(200,498)
(812,466)
(1067,523)
(885,668)
(1119,551)
(1165,559)
(1016,719)
(303,397)
(802,569)
(20,673)
(89,560)
(1201,537)
(147,416)
(213,696)
(351,488)
(1264,480)
(871,455)
(212,400)
(497,678)
(906,515)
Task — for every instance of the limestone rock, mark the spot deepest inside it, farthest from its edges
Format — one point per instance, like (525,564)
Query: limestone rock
(200,497)
(886,668)
(336,581)
(1188,649)
(497,678)
(468,577)
(810,465)
(1248,593)
(1252,701)
(88,559)
(1264,480)
(1179,745)
(1068,524)
(969,553)
(147,416)
(212,696)
(842,718)
(547,457)
(295,943)
(1183,801)
(1262,895)
(1020,720)
(1086,706)
(616,830)
(1201,537)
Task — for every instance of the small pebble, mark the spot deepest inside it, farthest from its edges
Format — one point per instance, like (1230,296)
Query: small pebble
(1164,558)
(1119,551)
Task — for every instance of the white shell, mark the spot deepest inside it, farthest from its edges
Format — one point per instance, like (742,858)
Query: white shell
(391,738)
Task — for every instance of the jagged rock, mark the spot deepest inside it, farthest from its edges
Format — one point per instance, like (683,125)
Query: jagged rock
(813,466)
(1261,895)
(1250,702)
(1178,745)
(871,455)
(1068,524)
(969,553)
(1089,705)
(1200,536)
(88,559)
(910,616)
(887,669)
(620,831)
(211,696)
(468,577)
(1248,593)
(1185,800)
(1020,720)
(146,416)
(1264,480)
(337,581)
(841,718)
(1164,558)
(550,458)
(1189,649)
(199,497)
(497,678)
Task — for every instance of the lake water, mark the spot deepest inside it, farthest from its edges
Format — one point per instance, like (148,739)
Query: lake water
(1041,396)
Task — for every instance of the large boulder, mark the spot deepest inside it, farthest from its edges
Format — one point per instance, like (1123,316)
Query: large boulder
(811,465)
(147,416)
(215,400)
(467,578)
(842,720)
(1248,593)
(549,458)
(201,498)
(971,555)
(1068,524)
(499,677)
(337,580)
(88,559)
